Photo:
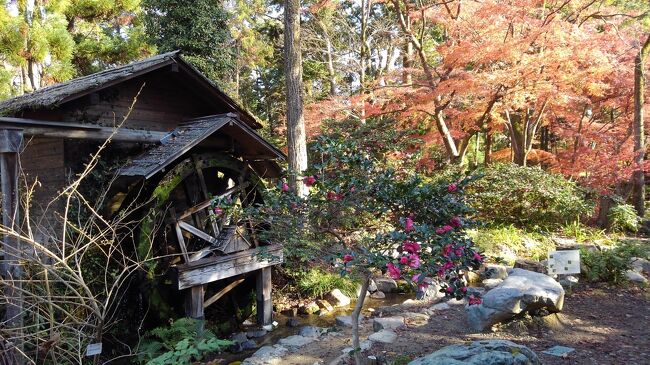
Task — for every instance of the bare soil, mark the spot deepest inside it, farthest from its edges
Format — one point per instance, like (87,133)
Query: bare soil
(605,325)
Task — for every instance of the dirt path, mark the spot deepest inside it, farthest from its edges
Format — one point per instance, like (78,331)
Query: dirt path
(605,326)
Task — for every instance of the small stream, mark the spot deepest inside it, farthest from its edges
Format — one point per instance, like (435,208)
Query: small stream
(325,320)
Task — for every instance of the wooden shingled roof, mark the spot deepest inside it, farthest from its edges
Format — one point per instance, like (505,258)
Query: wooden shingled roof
(55,95)
(191,133)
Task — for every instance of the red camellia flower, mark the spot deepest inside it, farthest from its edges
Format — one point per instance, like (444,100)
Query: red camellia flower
(477,256)
(474,300)
(450,289)
(285,187)
(411,247)
(452,187)
(334,196)
(393,271)
(464,289)
(404,260)
(440,231)
(446,250)
(414,261)
(347,258)
(309,180)
(459,252)
(447,228)
(448,265)
(455,222)
(218,211)
(408,224)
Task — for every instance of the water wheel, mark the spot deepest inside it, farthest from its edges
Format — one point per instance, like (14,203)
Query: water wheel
(183,227)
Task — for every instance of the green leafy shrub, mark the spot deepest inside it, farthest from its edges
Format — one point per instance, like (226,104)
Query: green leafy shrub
(526,197)
(623,218)
(509,243)
(583,233)
(179,343)
(317,282)
(611,265)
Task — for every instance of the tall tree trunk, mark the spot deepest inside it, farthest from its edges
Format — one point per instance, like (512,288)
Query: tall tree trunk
(638,178)
(488,148)
(296,137)
(363,54)
(329,51)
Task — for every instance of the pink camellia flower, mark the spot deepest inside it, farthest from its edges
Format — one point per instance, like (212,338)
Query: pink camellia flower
(408,224)
(393,271)
(334,196)
(218,211)
(446,250)
(414,261)
(411,247)
(447,228)
(309,180)
(440,231)
(459,252)
(285,187)
(450,289)
(441,273)
(474,300)
(448,265)
(452,187)
(464,289)
(421,285)
(347,258)
(404,260)
(455,222)
(478,257)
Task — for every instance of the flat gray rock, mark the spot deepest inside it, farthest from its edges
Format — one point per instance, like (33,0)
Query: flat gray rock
(635,277)
(494,271)
(383,336)
(267,355)
(522,291)
(493,352)
(346,321)
(311,331)
(388,323)
(296,341)
(440,306)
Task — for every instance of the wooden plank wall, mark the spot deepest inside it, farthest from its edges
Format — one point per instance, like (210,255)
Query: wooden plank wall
(161,105)
(42,160)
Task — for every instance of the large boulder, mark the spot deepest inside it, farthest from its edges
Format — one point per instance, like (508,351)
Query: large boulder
(521,292)
(338,299)
(492,352)
(387,285)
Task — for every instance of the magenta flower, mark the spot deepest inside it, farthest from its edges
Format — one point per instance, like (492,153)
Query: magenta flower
(446,250)
(414,261)
(447,228)
(218,211)
(408,224)
(477,256)
(393,271)
(464,289)
(455,222)
(285,187)
(309,180)
(411,247)
(452,187)
(347,258)
(334,196)
(459,252)
(474,300)
(404,260)
(450,289)
(448,265)
(440,231)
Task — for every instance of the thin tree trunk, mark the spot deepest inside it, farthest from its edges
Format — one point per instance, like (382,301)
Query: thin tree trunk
(330,58)
(363,54)
(638,178)
(296,136)
(355,319)
(488,148)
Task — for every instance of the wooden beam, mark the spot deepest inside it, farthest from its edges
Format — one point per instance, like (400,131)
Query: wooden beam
(207,202)
(196,296)
(222,292)
(197,232)
(121,135)
(11,269)
(263,293)
(179,236)
(217,268)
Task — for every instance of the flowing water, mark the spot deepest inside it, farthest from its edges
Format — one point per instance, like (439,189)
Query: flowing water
(325,320)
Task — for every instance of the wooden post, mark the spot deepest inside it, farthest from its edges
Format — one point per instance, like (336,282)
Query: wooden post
(264,302)
(10,142)
(194,309)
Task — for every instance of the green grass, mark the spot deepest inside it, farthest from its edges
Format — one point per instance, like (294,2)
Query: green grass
(510,243)
(317,282)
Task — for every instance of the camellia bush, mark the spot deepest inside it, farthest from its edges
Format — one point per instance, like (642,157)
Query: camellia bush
(366,218)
